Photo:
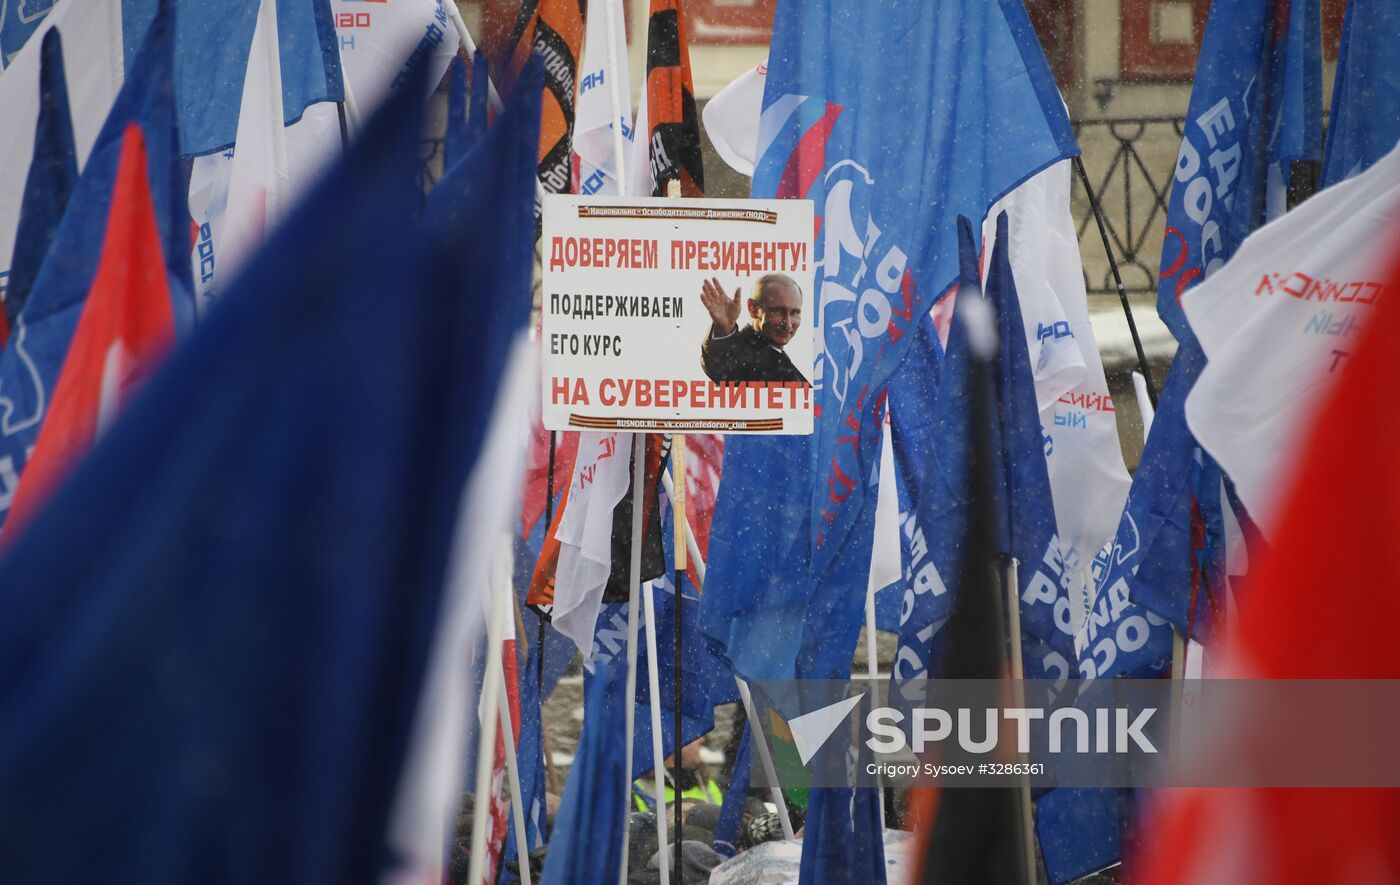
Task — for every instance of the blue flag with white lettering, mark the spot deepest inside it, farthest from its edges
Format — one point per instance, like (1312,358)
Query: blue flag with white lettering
(966,87)
(1365,114)
(212,40)
(53,174)
(239,593)
(1256,108)
(30,365)
(1143,578)
(930,432)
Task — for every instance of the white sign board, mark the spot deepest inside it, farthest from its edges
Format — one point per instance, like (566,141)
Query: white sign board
(677,314)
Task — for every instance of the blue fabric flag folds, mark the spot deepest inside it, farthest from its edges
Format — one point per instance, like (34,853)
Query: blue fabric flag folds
(53,174)
(239,592)
(1256,108)
(790,545)
(212,40)
(1365,112)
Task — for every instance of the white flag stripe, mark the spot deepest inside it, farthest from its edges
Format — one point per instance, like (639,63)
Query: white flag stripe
(1277,322)
(593,142)
(731,119)
(1088,479)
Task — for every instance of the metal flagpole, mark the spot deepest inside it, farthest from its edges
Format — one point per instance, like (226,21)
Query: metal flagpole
(1117,280)
(658,752)
(1011,578)
(678,520)
(634,575)
(872,668)
(765,759)
(490,700)
(517,806)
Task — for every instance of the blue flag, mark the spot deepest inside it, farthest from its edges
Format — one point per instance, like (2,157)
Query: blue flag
(1256,108)
(787,579)
(212,40)
(1078,832)
(18,22)
(1143,578)
(586,845)
(30,365)
(249,621)
(842,841)
(464,129)
(929,431)
(1025,512)
(53,174)
(736,798)
(1365,113)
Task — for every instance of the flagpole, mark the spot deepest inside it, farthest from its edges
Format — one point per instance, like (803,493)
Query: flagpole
(634,576)
(1117,280)
(872,668)
(1011,578)
(638,480)
(540,631)
(517,807)
(349,109)
(678,521)
(696,561)
(658,752)
(766,759)
(490,689)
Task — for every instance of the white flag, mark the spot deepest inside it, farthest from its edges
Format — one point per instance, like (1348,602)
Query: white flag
(731,119)
(1278,322)
(601,478)
(93,66)
(280,162)
(593,121)
(1088,479)
(257,185)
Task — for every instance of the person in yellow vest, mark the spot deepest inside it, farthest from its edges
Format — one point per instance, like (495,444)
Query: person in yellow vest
(696,783)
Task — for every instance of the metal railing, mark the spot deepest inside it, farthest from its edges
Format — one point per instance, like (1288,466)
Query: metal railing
(1130,162)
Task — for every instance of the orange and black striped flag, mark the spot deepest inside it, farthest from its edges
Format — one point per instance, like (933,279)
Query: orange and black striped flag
(673,129)
(554,29)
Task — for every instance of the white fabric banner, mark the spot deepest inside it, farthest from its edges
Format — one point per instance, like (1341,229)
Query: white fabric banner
(601,478)
(731,119)
(376,43)
(1278,322)
(593,121)
(1087,476)
(258,172)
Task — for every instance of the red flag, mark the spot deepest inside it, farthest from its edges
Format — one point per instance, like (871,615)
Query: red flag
(125,328)
(704,462)
(1318,606)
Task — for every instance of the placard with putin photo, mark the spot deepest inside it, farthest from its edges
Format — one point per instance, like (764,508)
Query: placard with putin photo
(677,314)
